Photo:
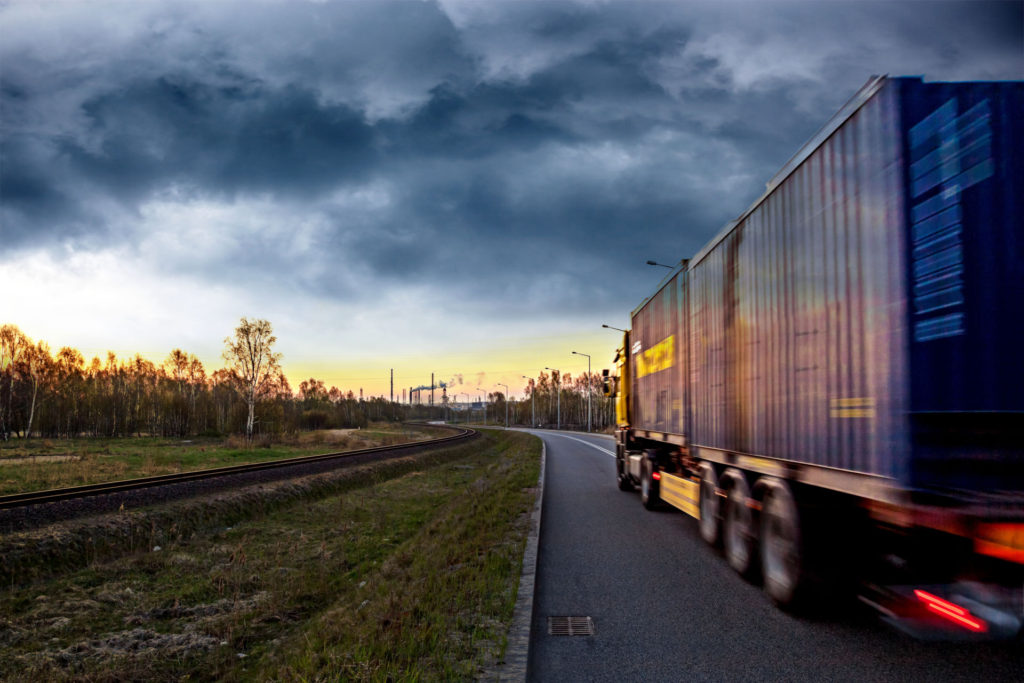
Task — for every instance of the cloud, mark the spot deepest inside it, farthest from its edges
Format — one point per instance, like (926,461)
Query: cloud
(484,163)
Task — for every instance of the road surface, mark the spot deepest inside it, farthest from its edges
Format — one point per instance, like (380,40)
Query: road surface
(666,607)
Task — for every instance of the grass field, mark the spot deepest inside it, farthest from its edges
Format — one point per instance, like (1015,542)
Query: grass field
(41,464)
(410,578)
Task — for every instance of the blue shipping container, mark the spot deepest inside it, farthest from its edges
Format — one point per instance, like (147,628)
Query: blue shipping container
(864,314)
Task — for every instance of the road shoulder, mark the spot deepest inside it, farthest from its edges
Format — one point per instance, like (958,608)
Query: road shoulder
(517,654)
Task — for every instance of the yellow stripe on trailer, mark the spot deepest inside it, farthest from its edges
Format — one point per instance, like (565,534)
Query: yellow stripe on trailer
(681,493)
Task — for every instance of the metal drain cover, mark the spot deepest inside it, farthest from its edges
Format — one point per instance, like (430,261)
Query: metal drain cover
(570,626)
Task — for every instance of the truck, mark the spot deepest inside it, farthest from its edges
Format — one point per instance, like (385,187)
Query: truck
(833,386)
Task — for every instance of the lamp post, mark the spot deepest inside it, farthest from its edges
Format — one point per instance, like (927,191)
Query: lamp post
(558,424)
(533,403)
(590,389)
(506,402)
(609,327)
(655,263)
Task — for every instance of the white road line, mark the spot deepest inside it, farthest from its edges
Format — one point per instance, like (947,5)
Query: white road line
(603,450)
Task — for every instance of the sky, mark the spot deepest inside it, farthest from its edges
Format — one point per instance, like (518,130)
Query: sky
(467,188)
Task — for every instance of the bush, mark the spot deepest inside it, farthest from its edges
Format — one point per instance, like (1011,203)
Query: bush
(314,419)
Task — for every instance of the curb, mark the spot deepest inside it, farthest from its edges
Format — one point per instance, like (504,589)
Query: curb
(517,653)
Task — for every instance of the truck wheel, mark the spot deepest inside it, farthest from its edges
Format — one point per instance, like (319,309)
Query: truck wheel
(709,527)
(648,487)
(781,550)
(738,529)
(625,483)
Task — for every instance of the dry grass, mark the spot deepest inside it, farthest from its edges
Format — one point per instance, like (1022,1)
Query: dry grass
(411,578)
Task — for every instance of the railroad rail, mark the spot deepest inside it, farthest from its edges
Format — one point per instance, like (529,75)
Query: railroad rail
(19,500)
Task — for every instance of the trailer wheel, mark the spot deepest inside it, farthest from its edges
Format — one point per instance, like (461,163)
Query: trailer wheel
(709,526)
(622,477)
(738,529)
(648,487)
(781,549)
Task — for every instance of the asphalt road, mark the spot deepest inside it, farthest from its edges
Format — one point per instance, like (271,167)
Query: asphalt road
(668,608)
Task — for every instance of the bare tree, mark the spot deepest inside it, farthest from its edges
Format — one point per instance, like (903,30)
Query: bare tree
(38,366)
(12,347)
(253,363)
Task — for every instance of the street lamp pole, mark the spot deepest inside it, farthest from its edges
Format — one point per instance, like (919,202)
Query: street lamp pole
(533,403)
(558,424)
(590,387)
(506,402)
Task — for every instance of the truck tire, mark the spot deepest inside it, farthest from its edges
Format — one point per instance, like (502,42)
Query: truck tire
(622,477)
(782,558)
(648,486)
(710,529)
(738,529)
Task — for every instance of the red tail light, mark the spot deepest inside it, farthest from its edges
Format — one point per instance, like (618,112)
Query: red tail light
(656,476)
(951,611)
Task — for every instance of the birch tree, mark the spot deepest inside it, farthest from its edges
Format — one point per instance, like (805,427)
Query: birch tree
(12,346)
(250,357)
(38,367)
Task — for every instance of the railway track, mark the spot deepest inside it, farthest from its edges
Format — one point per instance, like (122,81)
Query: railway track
(300,464)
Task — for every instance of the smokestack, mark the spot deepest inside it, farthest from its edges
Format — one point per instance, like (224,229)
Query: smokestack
(392,385)
(431,390)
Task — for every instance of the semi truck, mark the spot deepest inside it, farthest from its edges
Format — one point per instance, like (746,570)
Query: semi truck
(833,386)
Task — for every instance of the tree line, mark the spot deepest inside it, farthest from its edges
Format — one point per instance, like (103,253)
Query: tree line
(557,399)
(60,395)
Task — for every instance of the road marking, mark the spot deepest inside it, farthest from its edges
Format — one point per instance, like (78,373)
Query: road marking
(603,450)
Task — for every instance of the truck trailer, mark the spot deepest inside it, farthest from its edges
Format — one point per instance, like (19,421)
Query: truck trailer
(834,385)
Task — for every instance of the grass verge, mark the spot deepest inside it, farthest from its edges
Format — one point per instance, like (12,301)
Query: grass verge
(411,577)
(39,464)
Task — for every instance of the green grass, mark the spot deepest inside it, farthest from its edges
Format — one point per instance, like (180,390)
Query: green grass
(40,464)
(410,578)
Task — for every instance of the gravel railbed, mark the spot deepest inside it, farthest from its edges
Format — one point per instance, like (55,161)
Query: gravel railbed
(34,516)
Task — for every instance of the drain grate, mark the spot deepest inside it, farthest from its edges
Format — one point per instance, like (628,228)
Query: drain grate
(570,626)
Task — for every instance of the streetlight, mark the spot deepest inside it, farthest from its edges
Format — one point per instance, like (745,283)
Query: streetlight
(506,402)
(655,263)
(589,387)
(558,424)
(533,403)
(609,327)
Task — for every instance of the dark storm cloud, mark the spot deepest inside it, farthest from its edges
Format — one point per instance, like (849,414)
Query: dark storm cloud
(240,138)
(539,139)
